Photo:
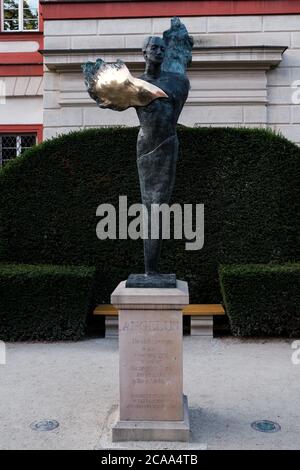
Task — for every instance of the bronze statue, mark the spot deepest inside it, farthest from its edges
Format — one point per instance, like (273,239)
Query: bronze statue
(158,97)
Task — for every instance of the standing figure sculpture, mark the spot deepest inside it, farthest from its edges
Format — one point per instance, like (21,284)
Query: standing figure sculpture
(158,97)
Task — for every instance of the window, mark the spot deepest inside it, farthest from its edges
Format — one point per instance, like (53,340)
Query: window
(20,15)
(12,145)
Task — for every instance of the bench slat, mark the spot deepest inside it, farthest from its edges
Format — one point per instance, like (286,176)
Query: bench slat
(204,309)
(192,309)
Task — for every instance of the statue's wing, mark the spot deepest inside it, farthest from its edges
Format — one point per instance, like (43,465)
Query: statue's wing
(112,86)
(178,47)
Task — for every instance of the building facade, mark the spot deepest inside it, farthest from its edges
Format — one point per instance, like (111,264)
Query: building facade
(245,69)
(21,77)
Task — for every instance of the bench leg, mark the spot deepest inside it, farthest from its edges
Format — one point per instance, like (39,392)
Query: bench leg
(111,326)
(201,325)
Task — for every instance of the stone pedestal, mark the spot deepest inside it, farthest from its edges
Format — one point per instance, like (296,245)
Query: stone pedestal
(151,370)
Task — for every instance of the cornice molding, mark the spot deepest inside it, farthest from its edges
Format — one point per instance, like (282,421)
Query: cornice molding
(262,57)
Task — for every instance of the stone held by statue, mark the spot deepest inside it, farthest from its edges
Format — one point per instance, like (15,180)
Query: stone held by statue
(112,86)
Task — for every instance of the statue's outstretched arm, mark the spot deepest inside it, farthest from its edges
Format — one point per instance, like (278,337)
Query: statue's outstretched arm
(179,45)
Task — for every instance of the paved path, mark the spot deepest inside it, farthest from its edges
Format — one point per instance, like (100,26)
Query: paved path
(229,382)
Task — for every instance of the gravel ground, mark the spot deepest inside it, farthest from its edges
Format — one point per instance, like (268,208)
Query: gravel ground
(229,382)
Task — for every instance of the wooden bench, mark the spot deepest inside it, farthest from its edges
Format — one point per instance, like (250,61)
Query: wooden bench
(201,318)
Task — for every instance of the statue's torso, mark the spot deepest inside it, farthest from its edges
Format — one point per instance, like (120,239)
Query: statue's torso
(158,119)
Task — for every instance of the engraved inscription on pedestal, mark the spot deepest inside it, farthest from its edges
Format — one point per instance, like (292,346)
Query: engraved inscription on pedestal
(150,365)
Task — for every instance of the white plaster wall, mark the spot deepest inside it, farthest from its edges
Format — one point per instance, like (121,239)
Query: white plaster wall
(19,46)
(236,98)
(23,100)
(22,110)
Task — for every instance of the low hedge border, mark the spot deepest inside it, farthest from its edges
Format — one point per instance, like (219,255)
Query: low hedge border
(44,302)
(262,299)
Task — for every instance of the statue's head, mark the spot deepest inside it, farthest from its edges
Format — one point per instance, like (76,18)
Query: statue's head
(154,49)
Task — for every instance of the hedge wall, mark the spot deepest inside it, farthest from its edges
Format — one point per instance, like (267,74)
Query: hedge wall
(44,302)
(262,300)
(248,180)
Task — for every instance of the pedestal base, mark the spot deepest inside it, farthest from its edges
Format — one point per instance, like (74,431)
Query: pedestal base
(150,363)
(153,430)
(158,281)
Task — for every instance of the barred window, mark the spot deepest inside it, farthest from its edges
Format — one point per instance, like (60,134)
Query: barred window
(12,145)
(20,15)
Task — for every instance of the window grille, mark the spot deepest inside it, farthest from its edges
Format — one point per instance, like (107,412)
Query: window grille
(12,145)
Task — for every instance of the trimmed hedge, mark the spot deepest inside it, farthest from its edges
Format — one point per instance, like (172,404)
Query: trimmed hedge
(262,300)
(44,302)
(248,180)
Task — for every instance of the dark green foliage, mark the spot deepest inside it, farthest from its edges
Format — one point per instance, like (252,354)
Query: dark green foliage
(44,302)
(248,180)
(262,300)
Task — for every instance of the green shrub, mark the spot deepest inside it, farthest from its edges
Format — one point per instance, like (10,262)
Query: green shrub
(262,300)
(248,180)
(44,302)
